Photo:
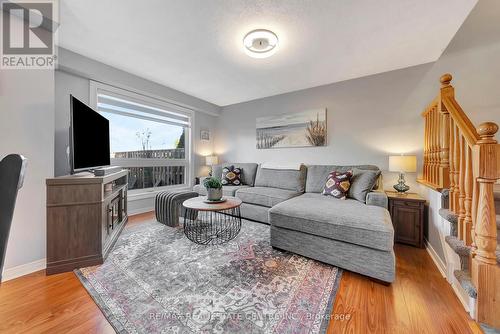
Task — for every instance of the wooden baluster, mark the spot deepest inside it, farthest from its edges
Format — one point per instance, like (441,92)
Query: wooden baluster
(424,172)
(431,142)
(426,147)
(430,158)
(451,200)
(461,196)
(456,176)
(437,117)
(431,151)
(475,203)
(444,167)
(433,147)
(437,148)
(468,188)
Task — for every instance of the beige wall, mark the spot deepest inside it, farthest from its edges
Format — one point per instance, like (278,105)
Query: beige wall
(27,128)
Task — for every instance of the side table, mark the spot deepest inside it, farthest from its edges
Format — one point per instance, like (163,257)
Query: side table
(407,213)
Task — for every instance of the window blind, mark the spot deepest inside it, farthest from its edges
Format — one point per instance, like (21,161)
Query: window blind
(127,106)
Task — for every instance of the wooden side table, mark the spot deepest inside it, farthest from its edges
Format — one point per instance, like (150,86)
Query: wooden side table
(407,213)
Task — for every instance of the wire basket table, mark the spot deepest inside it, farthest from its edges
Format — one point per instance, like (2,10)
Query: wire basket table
(211,224)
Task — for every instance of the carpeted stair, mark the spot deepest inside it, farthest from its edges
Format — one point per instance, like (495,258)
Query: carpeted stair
(463,251)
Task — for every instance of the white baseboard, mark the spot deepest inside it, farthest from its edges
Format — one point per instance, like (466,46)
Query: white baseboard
(467,302)
(437,260)
(23,269)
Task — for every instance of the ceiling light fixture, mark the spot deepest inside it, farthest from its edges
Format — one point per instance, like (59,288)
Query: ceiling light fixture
(260,43)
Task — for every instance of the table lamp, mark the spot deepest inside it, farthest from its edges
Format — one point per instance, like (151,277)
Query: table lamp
(402,164)
(211,160)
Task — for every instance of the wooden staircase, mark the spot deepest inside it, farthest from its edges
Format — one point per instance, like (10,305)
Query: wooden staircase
(463,162)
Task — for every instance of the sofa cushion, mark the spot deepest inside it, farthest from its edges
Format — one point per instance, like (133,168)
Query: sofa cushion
(265,196)
(226,190)
(288,179)
(337,184)
(317,174)
(362,182)
(231,176)
(248,171)
(349,221)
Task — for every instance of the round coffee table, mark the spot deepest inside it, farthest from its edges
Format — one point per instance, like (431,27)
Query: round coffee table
(211,223)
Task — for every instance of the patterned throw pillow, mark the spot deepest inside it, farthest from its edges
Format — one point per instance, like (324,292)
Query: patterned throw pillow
(337,184)
(231,176)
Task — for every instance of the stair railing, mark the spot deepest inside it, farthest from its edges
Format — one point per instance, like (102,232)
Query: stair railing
(467,161)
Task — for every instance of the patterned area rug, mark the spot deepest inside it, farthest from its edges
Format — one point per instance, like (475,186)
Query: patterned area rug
(157,281)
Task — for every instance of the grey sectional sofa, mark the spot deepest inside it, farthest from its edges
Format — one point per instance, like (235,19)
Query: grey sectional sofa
(355,234)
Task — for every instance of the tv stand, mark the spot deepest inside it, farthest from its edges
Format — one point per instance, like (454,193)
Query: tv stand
(85,216)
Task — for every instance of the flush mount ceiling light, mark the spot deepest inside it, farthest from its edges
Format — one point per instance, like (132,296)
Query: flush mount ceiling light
(260,43)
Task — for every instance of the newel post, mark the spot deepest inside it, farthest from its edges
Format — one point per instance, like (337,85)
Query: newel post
(485,271)
(486,164)
(450,171)
(444,167)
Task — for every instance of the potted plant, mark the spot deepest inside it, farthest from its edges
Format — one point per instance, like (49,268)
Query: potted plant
(214,188)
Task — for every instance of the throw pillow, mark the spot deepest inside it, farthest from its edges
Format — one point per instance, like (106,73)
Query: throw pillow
(231,176)
(338,184)
(362,182)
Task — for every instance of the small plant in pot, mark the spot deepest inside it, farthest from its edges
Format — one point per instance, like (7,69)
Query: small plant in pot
(214,188)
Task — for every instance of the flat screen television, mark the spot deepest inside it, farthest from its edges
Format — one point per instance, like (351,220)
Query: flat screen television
(89,138)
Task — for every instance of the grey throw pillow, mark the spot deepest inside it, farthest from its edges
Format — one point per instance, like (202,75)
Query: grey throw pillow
(362,182)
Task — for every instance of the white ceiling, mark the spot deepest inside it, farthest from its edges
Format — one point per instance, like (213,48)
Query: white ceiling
(195,46)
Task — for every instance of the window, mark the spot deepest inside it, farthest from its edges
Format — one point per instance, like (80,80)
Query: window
(149,137)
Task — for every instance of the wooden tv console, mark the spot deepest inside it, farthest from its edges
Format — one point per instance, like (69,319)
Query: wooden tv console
(85,215)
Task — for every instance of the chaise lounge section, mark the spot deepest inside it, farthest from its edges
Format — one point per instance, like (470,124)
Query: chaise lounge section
(348,233)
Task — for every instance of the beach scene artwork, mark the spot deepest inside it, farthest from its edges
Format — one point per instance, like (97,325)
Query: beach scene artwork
(302,129)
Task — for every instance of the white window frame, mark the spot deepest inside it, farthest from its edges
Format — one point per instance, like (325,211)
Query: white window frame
(143,98)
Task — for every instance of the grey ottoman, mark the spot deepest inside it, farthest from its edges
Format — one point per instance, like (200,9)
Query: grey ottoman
(168,205)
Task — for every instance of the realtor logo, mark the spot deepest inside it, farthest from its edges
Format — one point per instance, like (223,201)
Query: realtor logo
(27,35)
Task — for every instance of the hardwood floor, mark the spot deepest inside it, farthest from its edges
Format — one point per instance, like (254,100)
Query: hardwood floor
(419,301)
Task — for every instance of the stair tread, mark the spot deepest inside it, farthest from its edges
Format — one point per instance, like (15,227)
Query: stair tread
(457,245)
(461,249)
(448,215)
(463,277)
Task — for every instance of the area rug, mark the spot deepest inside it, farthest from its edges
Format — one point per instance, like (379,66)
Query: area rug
(157,281)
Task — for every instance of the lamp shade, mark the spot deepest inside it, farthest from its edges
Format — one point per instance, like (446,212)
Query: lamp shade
(211,160)
(403,163)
